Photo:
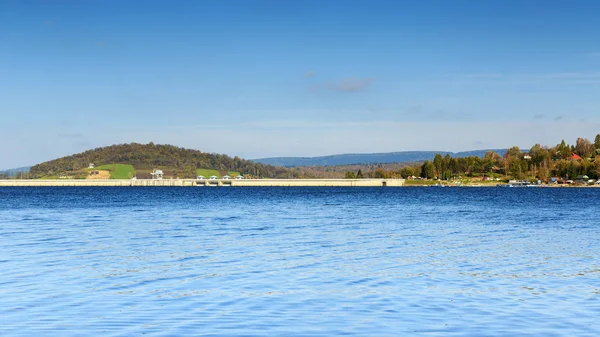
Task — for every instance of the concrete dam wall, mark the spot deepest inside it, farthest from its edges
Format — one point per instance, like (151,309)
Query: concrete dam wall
(194,182)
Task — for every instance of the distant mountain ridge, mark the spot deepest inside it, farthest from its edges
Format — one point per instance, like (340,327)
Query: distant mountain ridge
(13,172)
(369,158)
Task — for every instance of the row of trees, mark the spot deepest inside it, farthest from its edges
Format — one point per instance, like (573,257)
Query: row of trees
(541,162)
(562,160)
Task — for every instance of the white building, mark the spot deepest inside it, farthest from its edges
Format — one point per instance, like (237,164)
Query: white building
(157,174)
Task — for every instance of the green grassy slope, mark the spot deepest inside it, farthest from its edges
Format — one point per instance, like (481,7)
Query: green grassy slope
(118,171)
(207,173)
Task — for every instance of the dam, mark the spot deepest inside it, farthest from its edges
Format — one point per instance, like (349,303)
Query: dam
(206,182)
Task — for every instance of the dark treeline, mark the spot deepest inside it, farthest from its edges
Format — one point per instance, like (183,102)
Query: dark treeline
(183,162)
(541,162)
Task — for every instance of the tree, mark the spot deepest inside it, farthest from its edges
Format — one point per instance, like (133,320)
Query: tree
(437,163)
(380,173)
(540,156)
(596,169)
(542,173)
(454,166)
(515,168)
(563,150)
(494,157)
(513,153)
(512,161)
(446,175)
(359,174)
(406,172)
(350,175)
(597,141)
(573,169)
(584,147)
(446,163)
(427,170)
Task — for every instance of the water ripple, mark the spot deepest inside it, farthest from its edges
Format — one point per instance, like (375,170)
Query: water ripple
(299,261)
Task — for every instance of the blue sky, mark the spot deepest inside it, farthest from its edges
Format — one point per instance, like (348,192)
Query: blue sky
(295,78)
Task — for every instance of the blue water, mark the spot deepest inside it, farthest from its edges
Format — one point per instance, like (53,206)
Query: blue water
(299,261)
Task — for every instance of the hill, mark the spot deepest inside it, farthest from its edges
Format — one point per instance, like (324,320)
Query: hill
(369,158)
(174,161)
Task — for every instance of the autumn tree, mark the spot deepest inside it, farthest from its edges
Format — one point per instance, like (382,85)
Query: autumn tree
(543,173)
(380,173)
(584,147)
(596,166)
(493,157)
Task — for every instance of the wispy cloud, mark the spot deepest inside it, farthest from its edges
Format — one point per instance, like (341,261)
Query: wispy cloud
(353,84)
(349,85)
(578,77)
(559,118)
(538,116)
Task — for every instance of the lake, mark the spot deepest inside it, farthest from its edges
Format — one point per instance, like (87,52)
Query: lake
(299,261)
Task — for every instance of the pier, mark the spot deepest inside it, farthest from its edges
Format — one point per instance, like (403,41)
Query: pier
(206,182)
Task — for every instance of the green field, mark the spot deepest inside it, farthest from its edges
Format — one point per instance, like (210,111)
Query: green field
(207,173)
(233,174)
(118,171)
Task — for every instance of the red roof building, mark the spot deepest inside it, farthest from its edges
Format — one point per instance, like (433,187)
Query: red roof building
(575,157)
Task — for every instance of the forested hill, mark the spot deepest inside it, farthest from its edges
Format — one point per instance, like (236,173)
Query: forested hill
(369,158)
(180,162)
